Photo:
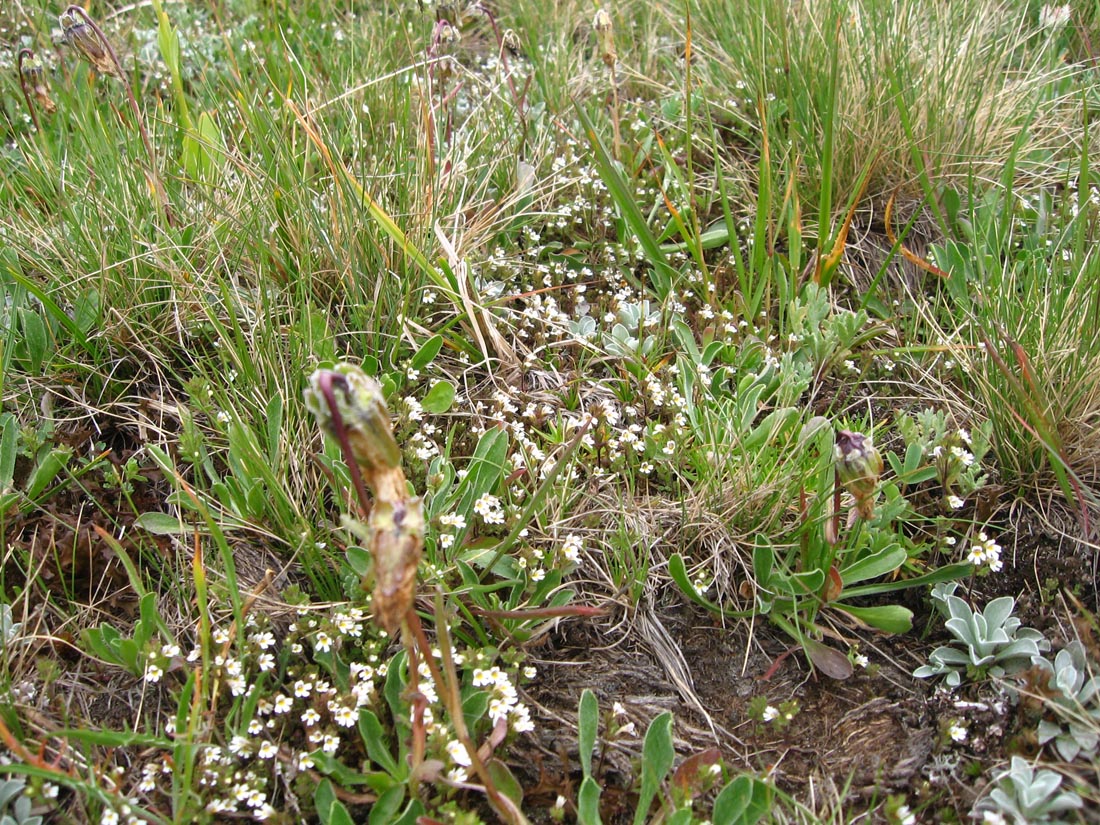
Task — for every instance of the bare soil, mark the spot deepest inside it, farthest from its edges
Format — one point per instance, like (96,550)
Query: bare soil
(852,742)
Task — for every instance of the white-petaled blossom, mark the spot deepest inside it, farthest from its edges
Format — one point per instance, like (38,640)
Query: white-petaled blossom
(957,731)
(770,712)
(458,753)
(986,551)
(489,508)
(955,503)
(345,716)
(153,672)
(571,548)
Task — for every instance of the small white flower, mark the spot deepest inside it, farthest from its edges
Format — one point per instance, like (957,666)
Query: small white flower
(571,548)
(957,732)
(955,503)
(153,672)
(458,753)
(770,713)
(267,750)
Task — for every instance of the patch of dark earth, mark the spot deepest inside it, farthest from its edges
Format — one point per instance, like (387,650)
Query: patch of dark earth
(851,742)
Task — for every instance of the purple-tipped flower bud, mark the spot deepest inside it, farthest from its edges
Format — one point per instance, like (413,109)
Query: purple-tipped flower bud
(349,406)
(361,405)
(859,467)
(33,74)
(78,32)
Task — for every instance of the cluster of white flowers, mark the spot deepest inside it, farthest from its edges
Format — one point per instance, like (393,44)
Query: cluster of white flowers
(986,552)
(504,703)
(490,509)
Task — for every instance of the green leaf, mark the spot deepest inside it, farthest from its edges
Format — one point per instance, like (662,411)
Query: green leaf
(505,781)
(35,337)
(384,810)
(886,560)
(274,425)
(427,352)
(330,810)
(46,471)
(890,618)
(763,560)
(161,524)
(658,754)
(9,450)
(474,707)
(913,455)
(588,803)
(588,725)
(439,398)
(374,739)
(678,570)
(86,310)
(623,195)
(744,801)
(943,574)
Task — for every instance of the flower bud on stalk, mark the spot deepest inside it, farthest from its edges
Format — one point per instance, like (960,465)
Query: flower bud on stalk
(858,467)
(32,73)
(349,406)
(605,33)
(77,32)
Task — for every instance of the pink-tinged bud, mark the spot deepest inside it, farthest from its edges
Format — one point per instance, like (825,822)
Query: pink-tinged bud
(77,31)
(33,74)
(350,407)
(859,467)
(362,406)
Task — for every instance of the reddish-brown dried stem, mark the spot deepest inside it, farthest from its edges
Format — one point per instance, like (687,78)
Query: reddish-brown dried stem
(158,185)
(23,54)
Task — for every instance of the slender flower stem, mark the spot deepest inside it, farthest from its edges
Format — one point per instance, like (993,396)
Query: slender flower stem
(158,184)
(23,54)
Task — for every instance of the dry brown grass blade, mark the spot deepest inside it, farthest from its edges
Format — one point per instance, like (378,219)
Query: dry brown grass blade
(905,251)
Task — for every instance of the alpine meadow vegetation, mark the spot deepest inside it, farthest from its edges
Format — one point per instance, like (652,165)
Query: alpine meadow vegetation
(432,411)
